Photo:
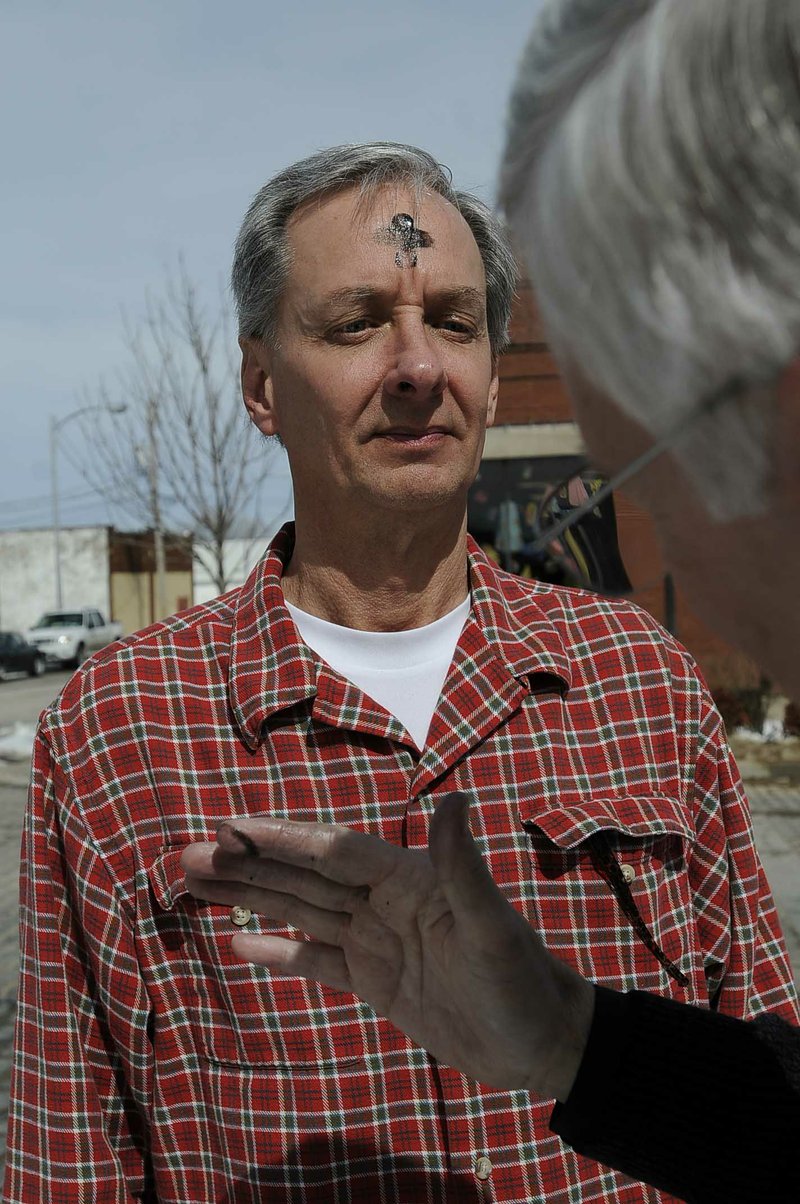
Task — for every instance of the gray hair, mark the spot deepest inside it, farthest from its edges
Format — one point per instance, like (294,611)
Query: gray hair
(262,256)
(652,175)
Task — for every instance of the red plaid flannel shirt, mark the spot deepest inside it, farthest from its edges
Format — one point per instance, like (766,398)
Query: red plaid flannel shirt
(152,1065)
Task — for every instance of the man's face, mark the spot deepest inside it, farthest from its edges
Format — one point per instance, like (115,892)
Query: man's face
(381,382)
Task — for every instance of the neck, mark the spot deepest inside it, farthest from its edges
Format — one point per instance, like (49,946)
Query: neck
(379,576)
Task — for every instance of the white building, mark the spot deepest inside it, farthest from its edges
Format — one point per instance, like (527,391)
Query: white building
(239,558)
(101,567)
(28,575)
(110,570)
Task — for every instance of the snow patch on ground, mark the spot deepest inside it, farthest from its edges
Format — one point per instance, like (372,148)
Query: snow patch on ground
(771,733)
(16,742)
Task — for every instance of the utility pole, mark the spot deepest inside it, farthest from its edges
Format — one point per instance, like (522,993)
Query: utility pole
(55,427)
(155,511)
(56,519)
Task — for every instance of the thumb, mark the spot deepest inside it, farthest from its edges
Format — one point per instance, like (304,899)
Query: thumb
(463,875)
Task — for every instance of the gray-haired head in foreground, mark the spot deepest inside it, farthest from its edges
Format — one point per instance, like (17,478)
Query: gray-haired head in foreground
(262,257)
(652,175)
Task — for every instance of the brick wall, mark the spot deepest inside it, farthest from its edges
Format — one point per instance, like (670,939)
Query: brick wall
(531,391)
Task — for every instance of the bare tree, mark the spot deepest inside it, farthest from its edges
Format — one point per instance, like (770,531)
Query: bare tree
(183,451)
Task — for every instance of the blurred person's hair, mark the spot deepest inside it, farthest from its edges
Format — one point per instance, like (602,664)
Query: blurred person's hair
(652,178)
(262,256)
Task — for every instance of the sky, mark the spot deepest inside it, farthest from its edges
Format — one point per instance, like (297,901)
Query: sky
(136,133)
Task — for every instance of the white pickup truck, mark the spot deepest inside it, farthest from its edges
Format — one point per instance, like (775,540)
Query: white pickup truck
(67,637)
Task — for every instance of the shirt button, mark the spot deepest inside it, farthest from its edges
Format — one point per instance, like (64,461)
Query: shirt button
(628,873)
(241,916)
(483,1167)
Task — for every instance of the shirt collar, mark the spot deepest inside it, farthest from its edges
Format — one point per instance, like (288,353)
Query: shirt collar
(272,670)
(507,612)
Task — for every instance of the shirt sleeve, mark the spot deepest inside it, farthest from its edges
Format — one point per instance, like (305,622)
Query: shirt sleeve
(747,965)
(700,1105)
(82,1060)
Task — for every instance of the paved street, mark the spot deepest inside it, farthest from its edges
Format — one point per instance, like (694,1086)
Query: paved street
(775,808)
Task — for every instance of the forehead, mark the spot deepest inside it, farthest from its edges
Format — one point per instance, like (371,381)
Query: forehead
(347,239)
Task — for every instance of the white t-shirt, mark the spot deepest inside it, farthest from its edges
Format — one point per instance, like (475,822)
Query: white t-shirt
(402,670)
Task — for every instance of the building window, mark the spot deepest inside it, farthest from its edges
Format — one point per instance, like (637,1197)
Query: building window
(513,501)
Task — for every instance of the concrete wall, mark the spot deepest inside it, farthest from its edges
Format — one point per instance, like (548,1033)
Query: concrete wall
(27,573)
(133,597)
(134,592)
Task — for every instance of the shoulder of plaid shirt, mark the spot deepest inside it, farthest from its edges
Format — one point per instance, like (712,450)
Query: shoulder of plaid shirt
(150,1064)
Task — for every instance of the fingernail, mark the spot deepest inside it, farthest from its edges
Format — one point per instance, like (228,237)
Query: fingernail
(242,837)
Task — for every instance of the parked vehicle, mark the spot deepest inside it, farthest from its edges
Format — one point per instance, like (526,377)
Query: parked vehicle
(18,656)
(67,637)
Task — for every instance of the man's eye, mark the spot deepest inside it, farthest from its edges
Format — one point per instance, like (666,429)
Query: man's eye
(457,326)
(357,326)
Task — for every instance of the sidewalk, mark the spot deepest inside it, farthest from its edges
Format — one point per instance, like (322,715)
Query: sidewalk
(12,800)
(776,821)
(13,791)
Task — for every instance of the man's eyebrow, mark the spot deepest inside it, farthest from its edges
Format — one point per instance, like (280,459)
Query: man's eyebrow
(349,296)
(465,294)
(442,299)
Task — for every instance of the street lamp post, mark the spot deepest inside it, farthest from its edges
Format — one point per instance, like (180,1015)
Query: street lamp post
(55,426)
(155,511)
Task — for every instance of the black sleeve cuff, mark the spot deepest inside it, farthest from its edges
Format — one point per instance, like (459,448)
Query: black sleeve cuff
(689,1101)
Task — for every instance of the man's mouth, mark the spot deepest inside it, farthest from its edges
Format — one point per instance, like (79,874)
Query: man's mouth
(422,436)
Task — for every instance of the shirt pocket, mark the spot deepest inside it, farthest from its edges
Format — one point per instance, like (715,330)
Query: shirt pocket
(614,891)
(241,1015)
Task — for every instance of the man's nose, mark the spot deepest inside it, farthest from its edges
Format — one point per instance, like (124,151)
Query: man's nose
(418,373)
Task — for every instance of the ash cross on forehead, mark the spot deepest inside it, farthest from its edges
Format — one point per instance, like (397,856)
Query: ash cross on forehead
(406,237)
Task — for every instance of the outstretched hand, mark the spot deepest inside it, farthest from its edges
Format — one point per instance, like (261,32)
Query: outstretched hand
(426,938)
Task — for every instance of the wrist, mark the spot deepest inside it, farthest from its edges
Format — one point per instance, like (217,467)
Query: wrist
(574,1000)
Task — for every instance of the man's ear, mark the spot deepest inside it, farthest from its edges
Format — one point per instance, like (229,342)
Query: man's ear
(494,389)
(257,385)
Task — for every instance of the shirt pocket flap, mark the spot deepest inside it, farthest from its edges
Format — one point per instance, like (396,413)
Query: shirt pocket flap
(568,825)
(167,879)
(622,862)
(240,1014)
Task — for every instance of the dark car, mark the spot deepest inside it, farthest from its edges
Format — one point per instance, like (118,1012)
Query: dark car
(18,656)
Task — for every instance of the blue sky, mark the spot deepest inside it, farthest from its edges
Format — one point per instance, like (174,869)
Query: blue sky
(137,132)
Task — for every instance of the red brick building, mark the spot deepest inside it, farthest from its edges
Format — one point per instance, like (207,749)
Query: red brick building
(535,437)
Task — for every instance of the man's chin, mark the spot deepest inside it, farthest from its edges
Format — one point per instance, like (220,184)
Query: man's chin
(422,493)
